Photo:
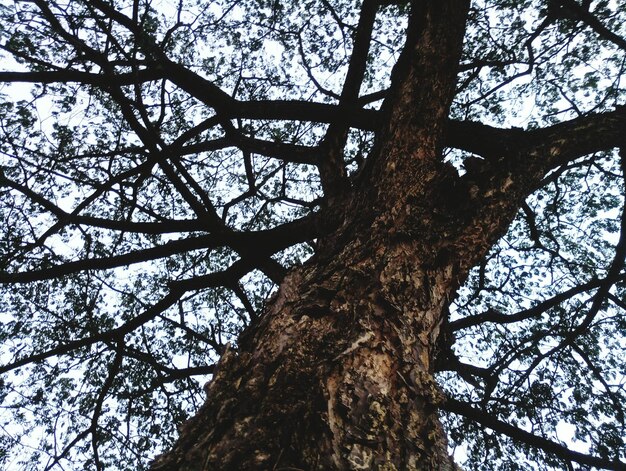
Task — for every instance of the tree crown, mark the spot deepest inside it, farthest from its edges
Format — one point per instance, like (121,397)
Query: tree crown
(163,165)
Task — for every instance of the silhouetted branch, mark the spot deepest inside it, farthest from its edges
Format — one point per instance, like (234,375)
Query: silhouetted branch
(492,315)
(112,335)
(517,434)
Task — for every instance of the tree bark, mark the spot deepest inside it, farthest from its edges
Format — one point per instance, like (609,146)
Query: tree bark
(338,372)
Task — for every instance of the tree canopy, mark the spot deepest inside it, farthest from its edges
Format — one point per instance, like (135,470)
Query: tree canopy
(164,164)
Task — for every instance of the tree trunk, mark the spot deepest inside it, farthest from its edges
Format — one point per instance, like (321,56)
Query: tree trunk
(337,375)
(338,372)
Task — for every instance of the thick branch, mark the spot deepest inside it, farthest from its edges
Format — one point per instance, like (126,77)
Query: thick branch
(571,8)
(566,141)
(254,245)
(288,152)
(161,251)
(560,143)
(69,76)
(332,167)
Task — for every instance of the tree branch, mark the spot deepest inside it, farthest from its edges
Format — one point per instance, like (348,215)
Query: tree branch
(114,369)
(69,76)
(253,245)
(492,315)
(332,167)
(559,143)
(161,251)
(517,434)
(577,12)
(106,336)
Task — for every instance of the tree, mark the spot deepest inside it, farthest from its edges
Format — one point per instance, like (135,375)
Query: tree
(328,197)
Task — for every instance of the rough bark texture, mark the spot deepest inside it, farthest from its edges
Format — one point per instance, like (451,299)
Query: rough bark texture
(337,374)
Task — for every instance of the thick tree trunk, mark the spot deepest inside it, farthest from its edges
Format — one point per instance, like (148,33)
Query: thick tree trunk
(338,373)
